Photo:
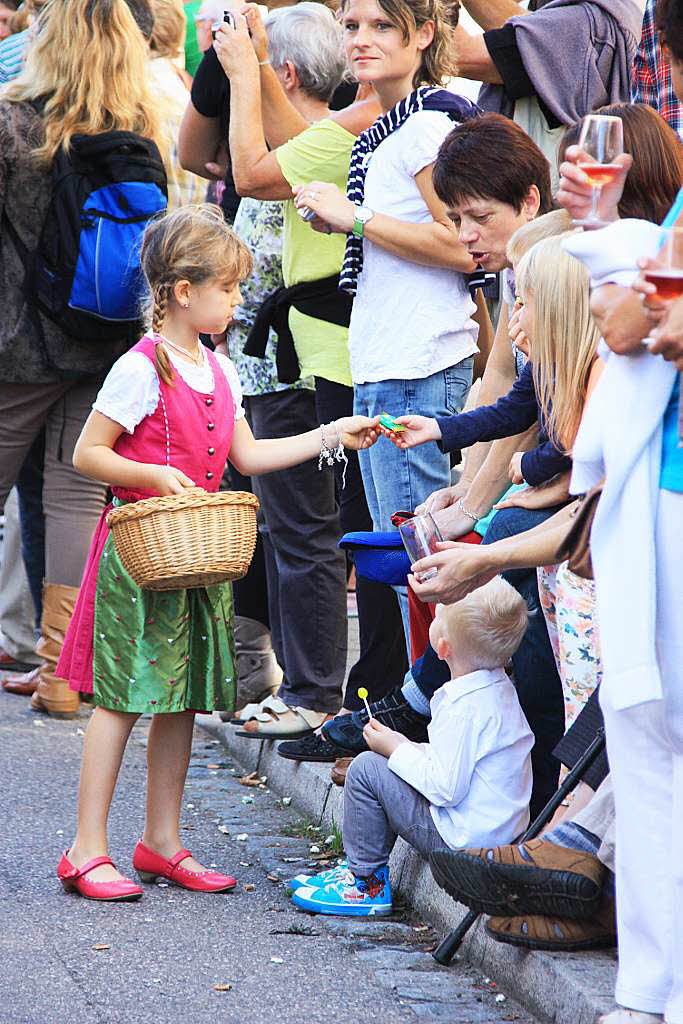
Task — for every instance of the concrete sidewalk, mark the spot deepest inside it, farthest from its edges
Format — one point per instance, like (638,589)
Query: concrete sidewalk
(565,988)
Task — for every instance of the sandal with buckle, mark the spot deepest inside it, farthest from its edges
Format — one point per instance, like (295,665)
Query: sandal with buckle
(249,711)
(277,720)
(150,866)
(73,879)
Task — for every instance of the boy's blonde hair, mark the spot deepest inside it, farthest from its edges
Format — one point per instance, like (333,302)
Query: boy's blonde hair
(193,244)
(548,225)
(487,626)
(564,335)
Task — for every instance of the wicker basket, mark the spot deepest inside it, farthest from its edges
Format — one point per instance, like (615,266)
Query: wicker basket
(193,539)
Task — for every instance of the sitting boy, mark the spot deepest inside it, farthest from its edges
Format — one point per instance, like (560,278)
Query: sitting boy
(468,787)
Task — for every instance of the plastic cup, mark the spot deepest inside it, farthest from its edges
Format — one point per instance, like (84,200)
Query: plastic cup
(420,537)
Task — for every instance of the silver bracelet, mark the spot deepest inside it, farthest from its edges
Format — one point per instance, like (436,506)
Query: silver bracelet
(466,512)
(332,451)
(262,63)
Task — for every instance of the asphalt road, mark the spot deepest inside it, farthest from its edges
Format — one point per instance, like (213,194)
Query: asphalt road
(165,954)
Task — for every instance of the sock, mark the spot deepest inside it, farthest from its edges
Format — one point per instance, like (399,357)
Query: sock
(415,697)
(573,837)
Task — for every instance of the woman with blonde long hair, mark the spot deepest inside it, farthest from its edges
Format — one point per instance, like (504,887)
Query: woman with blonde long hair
(47,377)
(555,323)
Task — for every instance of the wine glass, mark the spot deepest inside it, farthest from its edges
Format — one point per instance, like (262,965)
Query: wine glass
(666,269)
(601,142)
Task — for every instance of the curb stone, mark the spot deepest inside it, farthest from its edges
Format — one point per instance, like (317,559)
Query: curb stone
(563,988)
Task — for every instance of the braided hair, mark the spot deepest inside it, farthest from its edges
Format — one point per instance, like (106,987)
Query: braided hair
(159,304)
(192,244)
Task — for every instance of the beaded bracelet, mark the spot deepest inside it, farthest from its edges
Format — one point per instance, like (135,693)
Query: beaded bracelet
(334,451)
(466,512)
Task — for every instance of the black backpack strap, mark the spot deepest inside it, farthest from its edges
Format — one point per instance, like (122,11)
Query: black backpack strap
(25,256)
(22,251)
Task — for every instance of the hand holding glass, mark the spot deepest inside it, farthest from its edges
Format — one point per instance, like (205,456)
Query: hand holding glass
(420,537)
(601,142)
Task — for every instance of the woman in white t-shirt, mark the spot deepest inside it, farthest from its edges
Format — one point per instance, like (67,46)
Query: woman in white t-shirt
(412,337)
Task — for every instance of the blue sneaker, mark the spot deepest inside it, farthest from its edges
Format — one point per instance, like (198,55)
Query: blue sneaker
(316,881)
(348,896)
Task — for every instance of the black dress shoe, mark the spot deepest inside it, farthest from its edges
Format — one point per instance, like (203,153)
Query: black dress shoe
(310,748)
(394,711)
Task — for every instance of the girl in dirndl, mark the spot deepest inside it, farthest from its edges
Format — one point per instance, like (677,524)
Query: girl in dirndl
(167,417)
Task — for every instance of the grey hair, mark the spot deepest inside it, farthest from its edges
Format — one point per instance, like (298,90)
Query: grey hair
(309,36)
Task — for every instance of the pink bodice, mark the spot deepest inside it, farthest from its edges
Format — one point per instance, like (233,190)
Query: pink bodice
(188,430)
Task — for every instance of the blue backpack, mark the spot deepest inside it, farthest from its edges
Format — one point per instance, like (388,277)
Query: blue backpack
(85,272)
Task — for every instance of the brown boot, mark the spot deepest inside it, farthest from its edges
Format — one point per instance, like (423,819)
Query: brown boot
(53,694)
(558,934)
(536,877)
(339,770)
(24,684)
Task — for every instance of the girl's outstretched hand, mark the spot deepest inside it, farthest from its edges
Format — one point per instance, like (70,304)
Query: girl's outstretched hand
(418,430)
(168,480)
(358,431)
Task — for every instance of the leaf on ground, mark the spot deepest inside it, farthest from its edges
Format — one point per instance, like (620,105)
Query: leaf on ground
(249,887)
(223,986)
(252,779)
(99,946)
(272,878)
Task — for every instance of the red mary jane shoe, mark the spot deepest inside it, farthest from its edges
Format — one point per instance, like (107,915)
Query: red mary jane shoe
(150,865)
(73,879)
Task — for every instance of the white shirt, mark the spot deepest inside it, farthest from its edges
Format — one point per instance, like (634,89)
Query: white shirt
(476,769)
(131,388)
(408,321)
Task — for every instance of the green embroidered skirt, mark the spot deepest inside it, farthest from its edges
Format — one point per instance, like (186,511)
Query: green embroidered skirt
(161,651)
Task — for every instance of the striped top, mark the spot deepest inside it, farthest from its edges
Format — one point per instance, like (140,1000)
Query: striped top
(12,52)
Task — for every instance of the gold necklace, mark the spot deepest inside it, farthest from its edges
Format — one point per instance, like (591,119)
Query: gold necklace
(197,359)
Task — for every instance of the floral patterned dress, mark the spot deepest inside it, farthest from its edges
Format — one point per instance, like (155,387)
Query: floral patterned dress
(260,225)
(568,603)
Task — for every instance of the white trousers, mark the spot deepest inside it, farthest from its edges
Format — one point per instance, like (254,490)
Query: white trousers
(645,751)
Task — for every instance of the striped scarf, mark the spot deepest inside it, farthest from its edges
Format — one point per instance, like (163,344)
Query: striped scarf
(423,98)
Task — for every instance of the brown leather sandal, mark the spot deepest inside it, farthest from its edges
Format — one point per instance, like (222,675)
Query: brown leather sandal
(557,934)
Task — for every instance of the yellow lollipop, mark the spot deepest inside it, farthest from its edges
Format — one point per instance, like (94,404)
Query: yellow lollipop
(363,694)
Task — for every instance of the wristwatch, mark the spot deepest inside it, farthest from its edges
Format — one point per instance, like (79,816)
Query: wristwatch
(363,215)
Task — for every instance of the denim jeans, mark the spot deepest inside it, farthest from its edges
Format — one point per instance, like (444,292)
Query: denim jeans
(378,807)
(538,684)
(396,479)
(382,662)
(299,526)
